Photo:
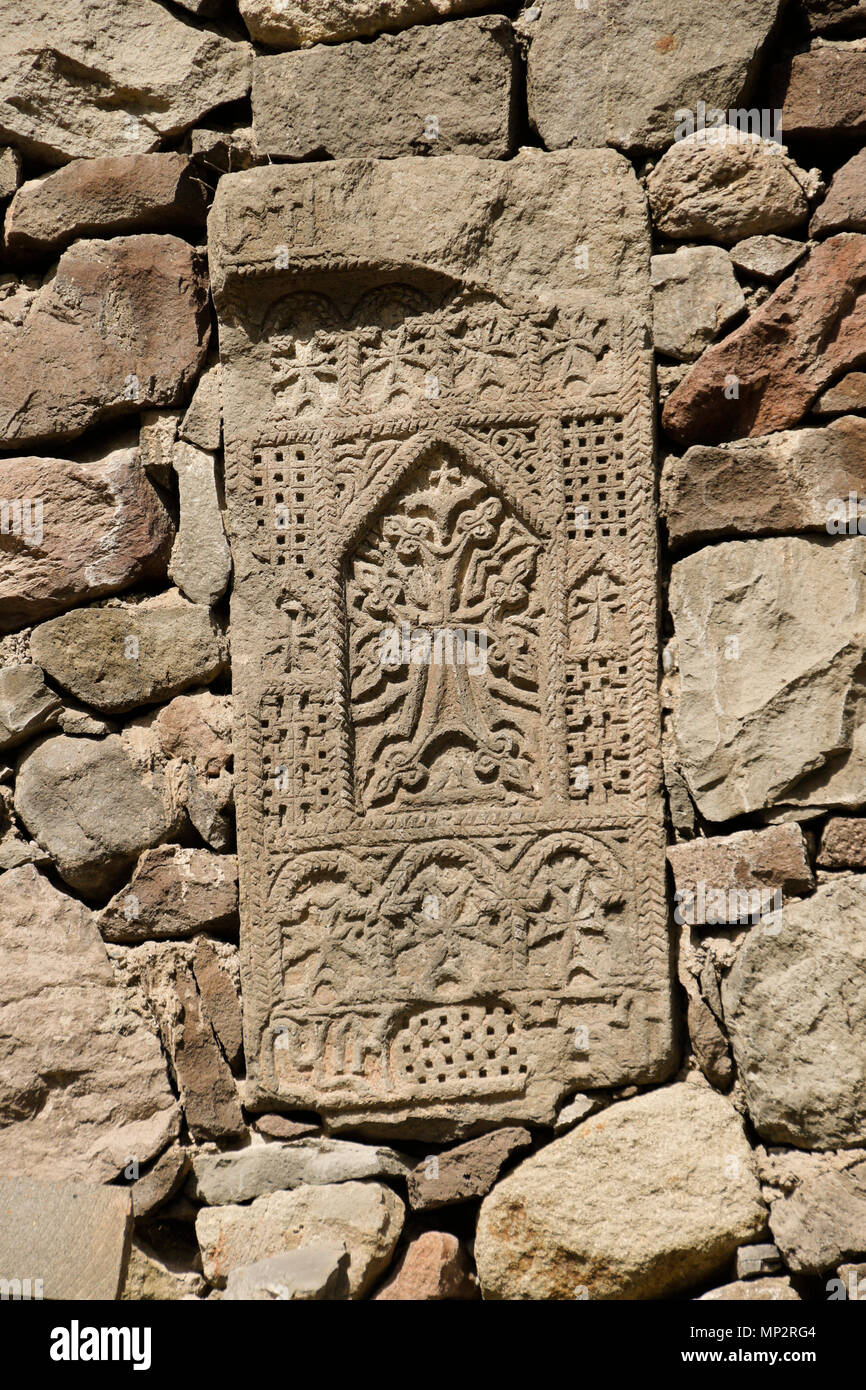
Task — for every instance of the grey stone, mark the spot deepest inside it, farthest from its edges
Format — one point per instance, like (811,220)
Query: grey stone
(84,1086)
(219,1179)
(10,171)
(27,706)
(823,1221)
(755,1260)
(434,90)
(291,23)
(200,562)
(365,1217)
(728,185)
(117,659)
(651,1196)
(619,72)
(795,1009)
(70,1238)
(90,808)
(82,81)
(768,257)
(202,423)
(695,296)
(313,1273)
(580,1107)
(754,731)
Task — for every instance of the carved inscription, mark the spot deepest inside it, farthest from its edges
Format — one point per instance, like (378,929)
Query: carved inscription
(450,829)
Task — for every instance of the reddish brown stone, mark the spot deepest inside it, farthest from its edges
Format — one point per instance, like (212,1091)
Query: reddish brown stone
(87,529)
(122,325)
(174,892)
(832,15)
(811,330)
(847,394)
(280,1127)
(821,93)
(220,999)
(157,1187)
(104,197)
(769,486)
(434,1269)
(467,1171)
(208,1092)
(750,859)
(843,844)
(844,208)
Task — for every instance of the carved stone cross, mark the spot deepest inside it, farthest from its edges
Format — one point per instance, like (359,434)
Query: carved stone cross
(438,424)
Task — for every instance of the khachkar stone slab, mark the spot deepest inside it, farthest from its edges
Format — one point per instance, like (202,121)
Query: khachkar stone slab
(438,426)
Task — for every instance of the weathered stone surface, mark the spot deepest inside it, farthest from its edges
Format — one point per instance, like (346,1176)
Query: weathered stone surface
(84,1081)
(795,1008)
(436,89)
(753,1291)
(104,197)
(313,1273)
(827,15)
(365,1217)
(202,423)
(434,1269)
(695,296)
(162,985)
(220,993)
(72,1237)
(617,74)
(219,1179)
(85,530)
(768,257)
(281,1127)
(823,1221)
(225,150)
(89,806)
(641,1201)
(120,326)
(755,1260)
(821,92)
(114,75)
(27,706)
(401,955)
(468,1171)
(736,865)
(290,23)
(161,1183)
(844,208)
(152,1278)
(174,892)
(187,747)
(808,332)
(116,659)
(847,394)
(764,723)
(843,844)
(776,484)
(10,171)
(201,562)
(728,184)
(580,1107)
(156,440)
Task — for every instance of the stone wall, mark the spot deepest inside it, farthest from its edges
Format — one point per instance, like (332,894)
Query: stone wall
(717,1147)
